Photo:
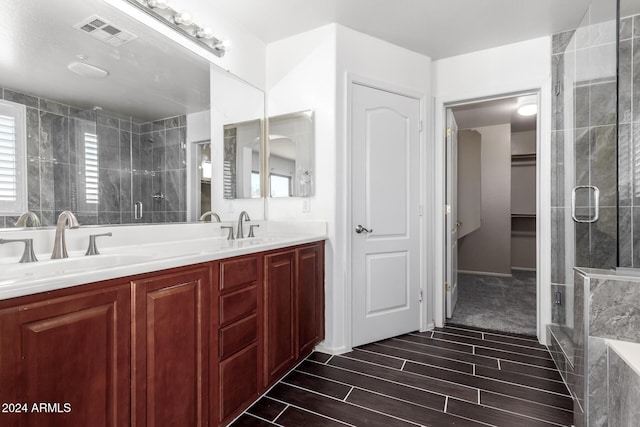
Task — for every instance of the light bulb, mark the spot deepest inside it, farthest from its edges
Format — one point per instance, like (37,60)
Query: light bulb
(160,4)
(183,18)
(204,33)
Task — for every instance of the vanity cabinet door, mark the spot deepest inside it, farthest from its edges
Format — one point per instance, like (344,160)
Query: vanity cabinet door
(66,360)
(280,314)
(310,297)
(171,314)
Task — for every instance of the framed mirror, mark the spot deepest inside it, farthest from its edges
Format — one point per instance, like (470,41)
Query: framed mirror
(291,155)
(111,109)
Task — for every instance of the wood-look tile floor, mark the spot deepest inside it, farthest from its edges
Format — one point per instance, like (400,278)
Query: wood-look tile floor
(455,376)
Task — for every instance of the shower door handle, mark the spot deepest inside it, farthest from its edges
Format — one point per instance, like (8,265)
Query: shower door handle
(596,196)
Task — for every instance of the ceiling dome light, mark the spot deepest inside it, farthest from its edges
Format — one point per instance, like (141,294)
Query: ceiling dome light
(87,70)
(528,109)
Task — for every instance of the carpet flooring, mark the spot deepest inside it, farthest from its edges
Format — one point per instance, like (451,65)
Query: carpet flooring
(506,304)
(454,376)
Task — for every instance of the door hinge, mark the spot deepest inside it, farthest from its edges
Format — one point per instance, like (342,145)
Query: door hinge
(420,296)
(420,211)
(420,126)
(448,132)
(447,209)
(447,287)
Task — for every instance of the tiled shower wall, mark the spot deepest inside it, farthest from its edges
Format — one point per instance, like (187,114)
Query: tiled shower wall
(130,167)
(629,141)
(583,153)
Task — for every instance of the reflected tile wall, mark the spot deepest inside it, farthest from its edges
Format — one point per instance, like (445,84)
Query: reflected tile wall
(55,163)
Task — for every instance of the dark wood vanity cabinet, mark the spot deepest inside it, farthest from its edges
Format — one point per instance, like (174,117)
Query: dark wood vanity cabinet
(309,297)
(171,320)
(280,314)
(294,307)
(190,346)
(238,343)
(65,359)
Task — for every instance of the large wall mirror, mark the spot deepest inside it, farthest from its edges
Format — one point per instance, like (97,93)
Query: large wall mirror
(112,110)
(291,155)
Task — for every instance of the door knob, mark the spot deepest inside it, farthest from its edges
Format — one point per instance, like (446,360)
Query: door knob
(361,229)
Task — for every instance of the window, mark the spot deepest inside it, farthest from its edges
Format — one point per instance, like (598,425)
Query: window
(280,185)
(13,159)
(91,167)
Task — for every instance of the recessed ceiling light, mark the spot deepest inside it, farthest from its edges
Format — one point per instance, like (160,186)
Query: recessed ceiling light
(529,109)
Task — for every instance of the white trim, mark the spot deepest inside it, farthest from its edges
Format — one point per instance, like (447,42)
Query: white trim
(18,113)
(543,195)
(485,273)
(523,269)
(353,78)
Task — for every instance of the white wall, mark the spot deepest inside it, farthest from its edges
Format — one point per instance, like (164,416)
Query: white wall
(488,249)
(507,69)
(361,56)
(309,71)
(301,75)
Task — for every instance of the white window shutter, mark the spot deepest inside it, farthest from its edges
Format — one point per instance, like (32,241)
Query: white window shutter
(13,161)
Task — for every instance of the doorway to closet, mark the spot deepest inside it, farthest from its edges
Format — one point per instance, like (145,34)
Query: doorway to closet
(491,214)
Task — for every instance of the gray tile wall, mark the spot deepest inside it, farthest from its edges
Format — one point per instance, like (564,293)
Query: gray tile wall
(130,168)
(629,142)
(624,393)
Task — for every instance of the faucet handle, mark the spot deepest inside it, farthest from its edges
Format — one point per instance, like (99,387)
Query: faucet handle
(251,227)
(93,249)
(230,228)
(28,255)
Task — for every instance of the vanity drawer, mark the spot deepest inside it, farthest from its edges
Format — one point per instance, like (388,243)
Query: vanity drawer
(238,304)
(238,271)
(237,336)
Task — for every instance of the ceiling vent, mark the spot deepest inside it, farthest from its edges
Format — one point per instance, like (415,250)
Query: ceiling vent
(99,28)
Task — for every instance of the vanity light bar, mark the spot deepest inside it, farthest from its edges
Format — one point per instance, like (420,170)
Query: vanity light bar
(183,23)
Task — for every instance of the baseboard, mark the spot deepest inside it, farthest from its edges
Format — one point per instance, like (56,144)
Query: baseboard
(523,269)
(430,327)
(485,273)
(331,350)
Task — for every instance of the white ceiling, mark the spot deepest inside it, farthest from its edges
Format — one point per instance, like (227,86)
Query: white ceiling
(494,112)
(436,28)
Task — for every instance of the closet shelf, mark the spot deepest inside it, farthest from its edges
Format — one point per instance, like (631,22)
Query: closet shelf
(523,215)
(528,156)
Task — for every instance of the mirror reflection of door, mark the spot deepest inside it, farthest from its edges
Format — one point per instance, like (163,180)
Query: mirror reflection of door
(204,175)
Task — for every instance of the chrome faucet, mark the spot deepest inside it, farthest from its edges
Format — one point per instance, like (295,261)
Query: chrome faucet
(243,216)
(23,221)
(65,219)
(213,216)
(28,254)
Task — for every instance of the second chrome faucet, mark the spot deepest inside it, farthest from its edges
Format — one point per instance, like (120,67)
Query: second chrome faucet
(66,219)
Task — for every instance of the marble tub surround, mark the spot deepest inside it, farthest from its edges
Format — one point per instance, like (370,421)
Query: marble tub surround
(139,249)
(624,384)
(606,308)
(130,168)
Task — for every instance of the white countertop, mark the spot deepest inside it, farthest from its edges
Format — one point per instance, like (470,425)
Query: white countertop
(130,259)
(628,351)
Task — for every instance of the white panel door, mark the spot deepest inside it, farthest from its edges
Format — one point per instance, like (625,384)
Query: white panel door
(384,225)
(451,285)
